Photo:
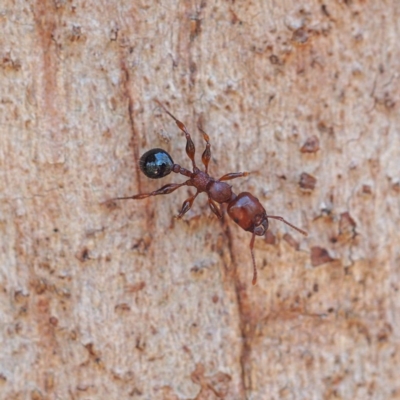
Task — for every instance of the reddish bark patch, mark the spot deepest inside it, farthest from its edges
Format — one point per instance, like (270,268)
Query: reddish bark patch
(300,36)
(122,308)
(45,19)
(311,145)
(83,254)
(270,238)
(214,385)
(291,241)
(137,287)
(307,181)
(320,256)
(366,189)
(347,225)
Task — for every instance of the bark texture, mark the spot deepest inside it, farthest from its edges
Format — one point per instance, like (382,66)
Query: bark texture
(103,301)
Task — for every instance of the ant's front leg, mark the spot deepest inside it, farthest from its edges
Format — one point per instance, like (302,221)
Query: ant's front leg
(233,175)
(190,148)
(167,189)
(206,156)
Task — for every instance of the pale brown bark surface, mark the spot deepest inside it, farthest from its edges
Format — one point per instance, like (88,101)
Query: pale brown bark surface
(124,301)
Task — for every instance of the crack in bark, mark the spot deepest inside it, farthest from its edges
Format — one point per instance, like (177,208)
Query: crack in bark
(134,138)
(243,320)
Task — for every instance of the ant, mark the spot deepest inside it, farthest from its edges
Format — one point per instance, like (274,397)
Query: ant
(244,208)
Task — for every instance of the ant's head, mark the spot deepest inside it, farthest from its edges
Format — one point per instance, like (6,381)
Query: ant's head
(156,163)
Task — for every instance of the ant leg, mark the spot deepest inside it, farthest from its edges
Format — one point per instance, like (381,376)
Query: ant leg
(190,149)
(186,206)
(233,175)
(214,208)
(254,281)
(288,223)
(167,189)
(207,152)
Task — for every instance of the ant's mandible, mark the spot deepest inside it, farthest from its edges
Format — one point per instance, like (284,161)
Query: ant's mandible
(244,208)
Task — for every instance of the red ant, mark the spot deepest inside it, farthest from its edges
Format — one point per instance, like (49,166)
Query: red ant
(244,208)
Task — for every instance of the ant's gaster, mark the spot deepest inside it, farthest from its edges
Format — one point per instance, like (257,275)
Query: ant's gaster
(244,208)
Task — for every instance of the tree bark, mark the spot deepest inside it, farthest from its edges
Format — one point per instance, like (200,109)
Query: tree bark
(108,300)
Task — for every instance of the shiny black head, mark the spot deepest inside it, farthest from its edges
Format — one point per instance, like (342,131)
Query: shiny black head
(156,163)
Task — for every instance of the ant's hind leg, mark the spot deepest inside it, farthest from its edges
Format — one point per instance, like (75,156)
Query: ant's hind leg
(167,189)
(233,175)
(186,206)
(207,152)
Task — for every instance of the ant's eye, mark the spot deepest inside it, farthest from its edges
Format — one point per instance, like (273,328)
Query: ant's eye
(156,163)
